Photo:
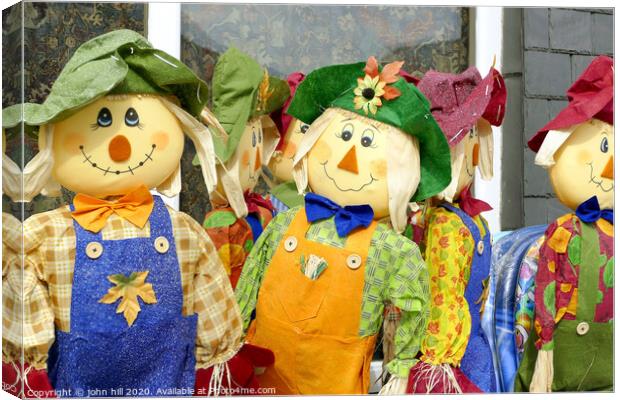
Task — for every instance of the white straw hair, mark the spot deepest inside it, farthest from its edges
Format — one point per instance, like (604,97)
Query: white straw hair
(11,179)
(203,142)
(545,157)
(37,173)
(485,150)
(403,162)
(457,159)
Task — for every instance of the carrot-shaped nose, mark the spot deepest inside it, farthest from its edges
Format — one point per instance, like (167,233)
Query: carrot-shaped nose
(257,162)
(119,148)
(349,161)
(476,154)
(608,171)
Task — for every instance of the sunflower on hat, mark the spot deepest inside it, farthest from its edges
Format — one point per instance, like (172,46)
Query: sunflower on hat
(375,85)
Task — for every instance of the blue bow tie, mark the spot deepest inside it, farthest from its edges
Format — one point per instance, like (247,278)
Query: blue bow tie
(589,211)
(347,218)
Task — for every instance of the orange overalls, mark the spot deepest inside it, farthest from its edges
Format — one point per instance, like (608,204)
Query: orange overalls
(312,326)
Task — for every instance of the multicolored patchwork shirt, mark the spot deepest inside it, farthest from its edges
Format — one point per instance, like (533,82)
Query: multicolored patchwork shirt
(395,273)
(558,276)
(234,237)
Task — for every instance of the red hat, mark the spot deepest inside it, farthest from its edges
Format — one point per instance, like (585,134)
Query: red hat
(458,101)
(591,96)
(408,77)
(280,117)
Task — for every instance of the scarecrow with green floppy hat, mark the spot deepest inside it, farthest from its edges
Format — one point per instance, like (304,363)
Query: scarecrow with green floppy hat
(243,96)
(314,286)
(120,290)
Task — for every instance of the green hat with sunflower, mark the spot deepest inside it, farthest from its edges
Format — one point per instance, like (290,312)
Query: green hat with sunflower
(384,95)
(117,62)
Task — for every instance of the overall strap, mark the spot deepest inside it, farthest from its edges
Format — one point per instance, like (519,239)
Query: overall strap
(589,270)
(159,220)
(467,220)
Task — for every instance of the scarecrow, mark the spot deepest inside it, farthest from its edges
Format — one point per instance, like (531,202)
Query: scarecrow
(455,353)
(571,345)
(121,294)
(317,279)
(283,193)
(243,96)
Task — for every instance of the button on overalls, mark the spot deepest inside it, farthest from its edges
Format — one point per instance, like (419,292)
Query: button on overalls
(312,326)
(477,362)
(101,353)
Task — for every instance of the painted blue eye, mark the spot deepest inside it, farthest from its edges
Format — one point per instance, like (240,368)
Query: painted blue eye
(253,139)
(104,118)
(131,117)
(304,128)
(604,145)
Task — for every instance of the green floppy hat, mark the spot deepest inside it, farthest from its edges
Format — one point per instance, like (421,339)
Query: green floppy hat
(242,90)
(117,62)
(402,106)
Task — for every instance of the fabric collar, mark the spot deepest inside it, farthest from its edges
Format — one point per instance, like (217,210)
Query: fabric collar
(589,211)
(92,213)
(347,218)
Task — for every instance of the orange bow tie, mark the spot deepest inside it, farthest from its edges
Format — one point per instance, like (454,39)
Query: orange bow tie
(92,213)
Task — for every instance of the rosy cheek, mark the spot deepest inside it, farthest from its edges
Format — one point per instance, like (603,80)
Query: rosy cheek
(161,140)
(584,157)
(290,149)
(245,158)
(72,143)
(322,151)
(378,168)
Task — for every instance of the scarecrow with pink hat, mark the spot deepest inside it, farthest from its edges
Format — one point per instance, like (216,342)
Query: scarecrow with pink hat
(571,345)
(455,353)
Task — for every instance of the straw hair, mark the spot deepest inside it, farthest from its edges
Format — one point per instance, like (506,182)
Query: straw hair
(403,162)
(485,138)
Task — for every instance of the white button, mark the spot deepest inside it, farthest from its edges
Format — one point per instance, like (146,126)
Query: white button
(583,328)
(480,247)
(354,261)
(161,245)
(94,250)
(290,243)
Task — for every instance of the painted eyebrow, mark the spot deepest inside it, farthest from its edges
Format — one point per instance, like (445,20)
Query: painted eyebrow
(347,119)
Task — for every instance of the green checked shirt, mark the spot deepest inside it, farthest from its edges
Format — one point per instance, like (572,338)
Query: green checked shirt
(395,273)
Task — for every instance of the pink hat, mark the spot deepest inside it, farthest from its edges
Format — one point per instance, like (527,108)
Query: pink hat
(280,117)
(591,96)
(458,101)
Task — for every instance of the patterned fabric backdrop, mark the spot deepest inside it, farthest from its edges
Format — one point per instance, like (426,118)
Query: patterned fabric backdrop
(51,33)
(287,38)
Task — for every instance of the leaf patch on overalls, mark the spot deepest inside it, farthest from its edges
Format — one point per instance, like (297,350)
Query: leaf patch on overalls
(313,267)
(128,289)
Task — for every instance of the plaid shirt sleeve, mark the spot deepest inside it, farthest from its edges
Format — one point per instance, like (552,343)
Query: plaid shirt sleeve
(407,287)
(207,293)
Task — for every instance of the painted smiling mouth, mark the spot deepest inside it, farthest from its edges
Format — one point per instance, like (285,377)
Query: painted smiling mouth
(598,183)
(372,179)
(107,170)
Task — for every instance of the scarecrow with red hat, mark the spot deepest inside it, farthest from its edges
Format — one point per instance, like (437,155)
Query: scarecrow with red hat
(314,286)
(243,97)
(455,353)
(283,193)
(571,347)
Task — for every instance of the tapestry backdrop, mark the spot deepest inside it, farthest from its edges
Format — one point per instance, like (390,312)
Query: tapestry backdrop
(288,38)
(51,32)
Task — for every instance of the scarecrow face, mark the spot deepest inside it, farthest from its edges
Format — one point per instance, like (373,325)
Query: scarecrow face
(471,148)
(584,166)
(281,165)
(348,163)
(114,145)
(248,155)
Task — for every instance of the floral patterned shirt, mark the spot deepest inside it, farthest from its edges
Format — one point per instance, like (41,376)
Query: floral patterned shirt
(558,276)
(449,248)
